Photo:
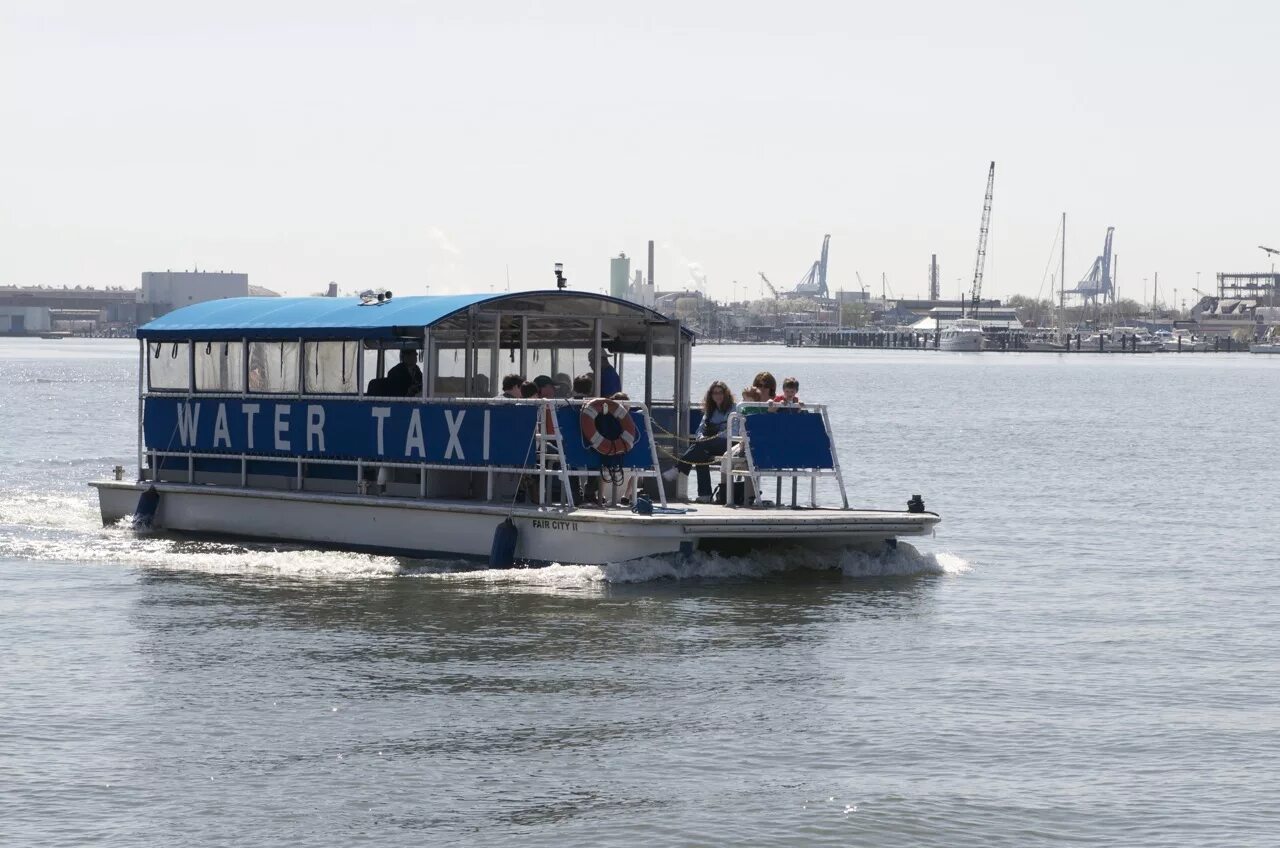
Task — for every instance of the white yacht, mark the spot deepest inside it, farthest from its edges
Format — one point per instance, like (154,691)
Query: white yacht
(282,419)
(963,334)
(1270,346)
(1121,340)
(1181,341)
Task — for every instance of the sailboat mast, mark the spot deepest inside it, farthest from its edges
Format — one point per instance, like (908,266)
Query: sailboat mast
(1062,269)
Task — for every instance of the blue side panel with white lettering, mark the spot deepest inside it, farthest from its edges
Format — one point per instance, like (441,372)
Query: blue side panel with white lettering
(465,435)
(786,440)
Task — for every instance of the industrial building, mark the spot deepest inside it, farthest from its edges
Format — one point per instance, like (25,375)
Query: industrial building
(168,290)
(1246,306)
(34,310)
(37,310)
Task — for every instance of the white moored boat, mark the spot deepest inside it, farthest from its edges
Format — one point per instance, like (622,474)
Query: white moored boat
(280,419)
(963,334)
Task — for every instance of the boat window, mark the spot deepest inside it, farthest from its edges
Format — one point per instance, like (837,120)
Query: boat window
(273,367)
(561,364)
(168,364)
(482,382)
(331,368)
(451,369)
(571,362)
(375,365)
(219,366)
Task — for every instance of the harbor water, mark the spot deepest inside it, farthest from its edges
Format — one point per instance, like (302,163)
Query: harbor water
(1087,652)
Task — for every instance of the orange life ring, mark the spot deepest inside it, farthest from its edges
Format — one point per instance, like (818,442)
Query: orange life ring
(607,427)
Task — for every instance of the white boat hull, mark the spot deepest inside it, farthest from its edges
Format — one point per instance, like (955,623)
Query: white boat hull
(964,342)
(465,529)
(1265,348)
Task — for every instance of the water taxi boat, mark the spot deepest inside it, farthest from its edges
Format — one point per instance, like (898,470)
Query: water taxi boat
(287,419)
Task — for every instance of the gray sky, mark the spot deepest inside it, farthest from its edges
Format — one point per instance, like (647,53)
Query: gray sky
(409,144)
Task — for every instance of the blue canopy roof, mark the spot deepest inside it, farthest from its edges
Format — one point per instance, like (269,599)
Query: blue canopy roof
(328,317)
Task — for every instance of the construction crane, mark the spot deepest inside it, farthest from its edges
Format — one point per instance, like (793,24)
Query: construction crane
(981,262)
(1271,251)
(769,285)
(814,283)
(1099,282)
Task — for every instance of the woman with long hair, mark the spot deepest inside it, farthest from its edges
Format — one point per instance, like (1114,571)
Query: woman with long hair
(709,442)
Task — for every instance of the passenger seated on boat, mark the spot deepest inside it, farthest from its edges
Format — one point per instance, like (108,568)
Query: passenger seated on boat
(405,379)
(564,385)
(378,388)
(610,382)
(766,384)
(511,386)
(751,395)
(528,389)
(788,401)
(583,384)
(709,442)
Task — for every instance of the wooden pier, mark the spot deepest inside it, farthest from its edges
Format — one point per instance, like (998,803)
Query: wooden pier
(994,342)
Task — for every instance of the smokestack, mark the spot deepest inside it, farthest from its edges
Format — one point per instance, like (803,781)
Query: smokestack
(650,280)
(934,292)
(333,290)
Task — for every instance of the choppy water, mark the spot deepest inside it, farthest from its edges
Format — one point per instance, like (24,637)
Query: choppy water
(1087,652)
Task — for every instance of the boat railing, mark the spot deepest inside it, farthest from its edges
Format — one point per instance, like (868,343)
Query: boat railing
(764,440)
(179,427)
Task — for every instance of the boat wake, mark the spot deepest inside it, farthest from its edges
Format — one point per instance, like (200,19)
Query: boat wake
(67,528)
(906,561)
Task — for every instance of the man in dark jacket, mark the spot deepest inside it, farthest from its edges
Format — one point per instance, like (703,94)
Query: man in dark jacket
(405,379)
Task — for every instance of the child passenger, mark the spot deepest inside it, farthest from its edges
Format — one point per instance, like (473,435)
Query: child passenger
(789,399)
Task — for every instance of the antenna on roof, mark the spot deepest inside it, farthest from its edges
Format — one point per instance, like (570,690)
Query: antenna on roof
(562,282)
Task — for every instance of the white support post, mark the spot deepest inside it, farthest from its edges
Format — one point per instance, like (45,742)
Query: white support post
(359,367)
(495,356)
(524,346)
(428,364)
(653,455)
(142,364)
(468,355)
(597,344)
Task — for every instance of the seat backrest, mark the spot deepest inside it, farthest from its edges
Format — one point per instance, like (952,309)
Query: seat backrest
(786,442)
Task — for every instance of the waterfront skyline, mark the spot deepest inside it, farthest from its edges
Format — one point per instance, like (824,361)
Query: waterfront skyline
(447,148)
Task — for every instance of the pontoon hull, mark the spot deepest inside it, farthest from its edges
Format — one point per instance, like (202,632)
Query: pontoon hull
(464,529)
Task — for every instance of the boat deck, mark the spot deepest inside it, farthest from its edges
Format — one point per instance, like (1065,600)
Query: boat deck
(676,513)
